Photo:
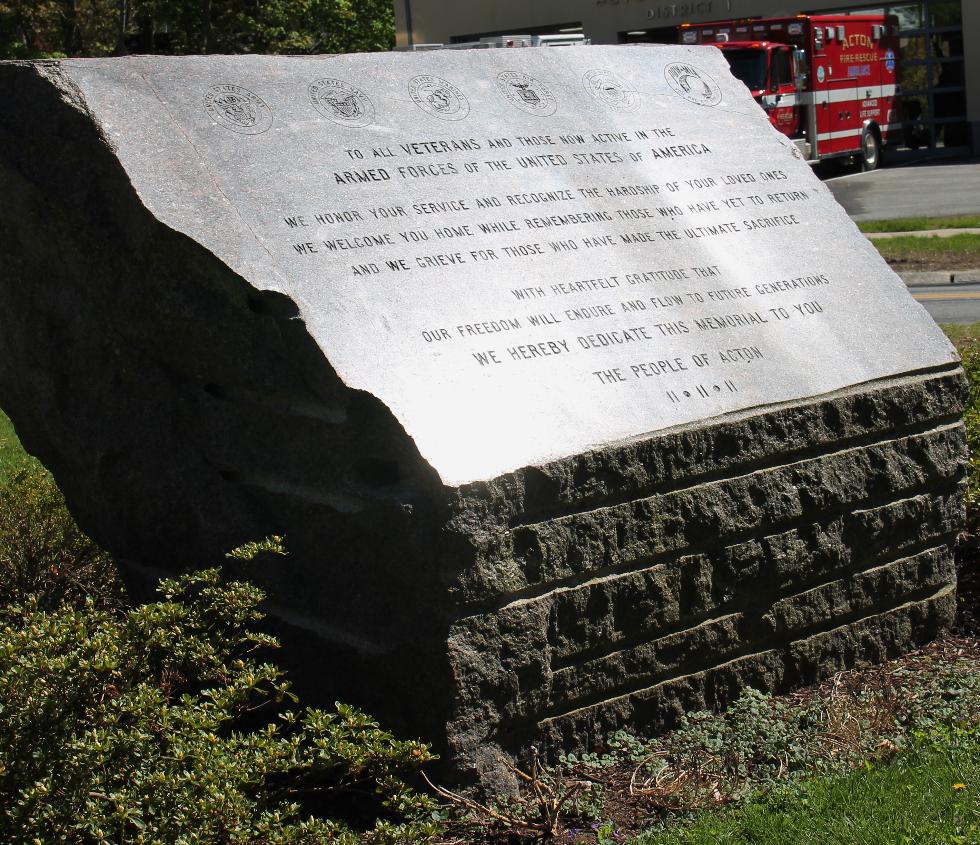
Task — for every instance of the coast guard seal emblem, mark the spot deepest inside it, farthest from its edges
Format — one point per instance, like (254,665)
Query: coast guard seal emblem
(438,97)
(342,103)
(237,109)
(692,84)
(527,93)
(610,90)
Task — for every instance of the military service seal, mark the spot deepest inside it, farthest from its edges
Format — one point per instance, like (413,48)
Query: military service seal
(238,109)
(610,90)
(438,97)
(527,93)
(341,102)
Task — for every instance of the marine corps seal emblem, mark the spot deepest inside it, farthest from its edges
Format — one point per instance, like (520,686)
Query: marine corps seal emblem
(341,102)
(238,109)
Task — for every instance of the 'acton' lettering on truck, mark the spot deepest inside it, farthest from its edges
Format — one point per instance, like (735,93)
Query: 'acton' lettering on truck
(796,68)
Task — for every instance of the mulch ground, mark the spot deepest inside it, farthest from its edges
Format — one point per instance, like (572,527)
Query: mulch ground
(631,814)
(918,254)
(930,263)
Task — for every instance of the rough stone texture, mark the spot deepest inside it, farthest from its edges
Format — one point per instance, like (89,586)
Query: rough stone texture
(183,410)
(629,586)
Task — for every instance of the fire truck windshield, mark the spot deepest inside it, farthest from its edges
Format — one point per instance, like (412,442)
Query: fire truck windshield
(748,66)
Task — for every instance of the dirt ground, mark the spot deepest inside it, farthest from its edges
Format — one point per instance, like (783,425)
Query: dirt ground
(915,254)
(968,589)
(939,261)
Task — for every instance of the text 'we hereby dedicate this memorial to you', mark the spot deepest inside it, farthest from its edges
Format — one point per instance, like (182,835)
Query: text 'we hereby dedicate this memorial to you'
(578,399)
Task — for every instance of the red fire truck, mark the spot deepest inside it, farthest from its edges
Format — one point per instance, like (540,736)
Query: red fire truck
(827,81)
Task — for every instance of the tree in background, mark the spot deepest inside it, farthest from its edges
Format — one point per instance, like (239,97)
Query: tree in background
(55,28)
(39,28)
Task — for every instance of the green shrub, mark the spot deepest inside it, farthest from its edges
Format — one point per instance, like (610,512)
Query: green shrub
(12,454)
(142,727)
(43,553)
(971,364)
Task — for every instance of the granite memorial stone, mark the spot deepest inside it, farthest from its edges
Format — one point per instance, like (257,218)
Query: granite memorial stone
(578,399)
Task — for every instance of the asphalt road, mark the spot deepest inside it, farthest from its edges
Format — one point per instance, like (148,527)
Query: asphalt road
(915,188)
(950,303)
(924,189)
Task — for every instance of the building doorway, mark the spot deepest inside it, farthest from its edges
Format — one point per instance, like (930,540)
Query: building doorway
(659,35)
(931,71)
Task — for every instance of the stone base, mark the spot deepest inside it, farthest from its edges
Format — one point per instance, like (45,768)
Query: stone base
(627,587)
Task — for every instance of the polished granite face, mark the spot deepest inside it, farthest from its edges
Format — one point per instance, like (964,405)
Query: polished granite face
(523,253)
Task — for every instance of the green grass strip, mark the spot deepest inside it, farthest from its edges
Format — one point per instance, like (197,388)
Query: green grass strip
(931,244)
(928,794)
(919,224)
(12,454)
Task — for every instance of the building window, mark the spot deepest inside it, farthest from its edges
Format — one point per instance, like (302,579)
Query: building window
(658,35)
(549,29)
(932,74)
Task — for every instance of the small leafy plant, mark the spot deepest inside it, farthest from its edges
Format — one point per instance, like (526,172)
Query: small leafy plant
(971,419)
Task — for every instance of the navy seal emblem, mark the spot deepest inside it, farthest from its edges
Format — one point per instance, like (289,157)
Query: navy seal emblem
(439,97)
(692,84)
(341,102)
(527,93)
(610,90)
(238,109)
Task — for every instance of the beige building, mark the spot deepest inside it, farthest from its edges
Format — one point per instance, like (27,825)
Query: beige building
(940,61)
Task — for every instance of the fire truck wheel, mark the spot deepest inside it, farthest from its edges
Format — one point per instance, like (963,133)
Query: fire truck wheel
(870,150)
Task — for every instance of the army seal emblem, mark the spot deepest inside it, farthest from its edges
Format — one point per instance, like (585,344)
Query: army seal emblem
(342,103)
(527,93)
(238,109)
(438,97)
(610,90)
(692,84)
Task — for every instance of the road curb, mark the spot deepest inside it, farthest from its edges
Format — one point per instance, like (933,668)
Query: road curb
(920,233)
(941,278)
